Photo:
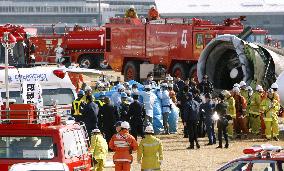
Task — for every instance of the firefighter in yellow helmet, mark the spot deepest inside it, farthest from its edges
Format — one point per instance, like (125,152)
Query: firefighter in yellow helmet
(269,109)
(254,110)
(77,106)
(231,110)
(99,149)
(131,12)
(150,151)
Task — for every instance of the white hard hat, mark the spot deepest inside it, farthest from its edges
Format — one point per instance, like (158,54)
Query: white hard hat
(149,129)
(96,131)
(126,84)
(120,87)
(125,125)
(132,6)
(274,86)
(242,83)
(171,85)
(236,89)
(226,93)
(258,88)
(148,86)
(248,88)
(152,6)
(88,88)
(101,85)
(236,85)
(164,85)
(269,91)
(169,78)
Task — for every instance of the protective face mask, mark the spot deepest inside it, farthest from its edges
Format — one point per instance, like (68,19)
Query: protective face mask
(135,90)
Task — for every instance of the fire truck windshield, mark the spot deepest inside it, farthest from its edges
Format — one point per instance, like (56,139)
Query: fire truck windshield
(63,96)
(26,147)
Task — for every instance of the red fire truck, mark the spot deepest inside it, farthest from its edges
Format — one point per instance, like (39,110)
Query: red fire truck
(32,135)
(172,45)
(83,45)
(22,49)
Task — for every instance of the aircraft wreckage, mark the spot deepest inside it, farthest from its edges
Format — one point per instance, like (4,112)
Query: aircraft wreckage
(228,59)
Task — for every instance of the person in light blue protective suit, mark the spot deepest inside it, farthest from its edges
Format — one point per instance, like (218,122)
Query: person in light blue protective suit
(166,105)
(116,96)
(148,101)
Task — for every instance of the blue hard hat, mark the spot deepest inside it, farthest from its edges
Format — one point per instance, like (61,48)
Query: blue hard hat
(123,94)
(81,92)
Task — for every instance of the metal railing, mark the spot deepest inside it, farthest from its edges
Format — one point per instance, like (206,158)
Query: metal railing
(39,116)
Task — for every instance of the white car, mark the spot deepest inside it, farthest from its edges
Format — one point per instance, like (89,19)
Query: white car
(40,166)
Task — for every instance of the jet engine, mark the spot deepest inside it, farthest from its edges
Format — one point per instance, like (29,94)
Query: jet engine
(228,59)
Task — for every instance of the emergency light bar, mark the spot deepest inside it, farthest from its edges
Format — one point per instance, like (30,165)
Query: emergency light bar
(259,148)
(59,73)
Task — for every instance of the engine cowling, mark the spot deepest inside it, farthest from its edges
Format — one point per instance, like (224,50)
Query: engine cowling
(228,60)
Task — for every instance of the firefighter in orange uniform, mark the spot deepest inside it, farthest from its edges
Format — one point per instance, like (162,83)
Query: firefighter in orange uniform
(240,124)
(153,13)
(123,144)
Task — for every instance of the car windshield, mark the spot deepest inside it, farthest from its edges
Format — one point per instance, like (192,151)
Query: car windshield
(63,96)
(26,147)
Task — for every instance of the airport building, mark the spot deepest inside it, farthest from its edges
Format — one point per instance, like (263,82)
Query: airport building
(83,12)
(266,14)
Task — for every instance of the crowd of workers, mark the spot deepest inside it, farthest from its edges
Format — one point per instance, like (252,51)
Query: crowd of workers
(236,113)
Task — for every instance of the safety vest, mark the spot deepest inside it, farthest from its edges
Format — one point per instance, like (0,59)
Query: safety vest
(270,109)
(76,106)
(99,103)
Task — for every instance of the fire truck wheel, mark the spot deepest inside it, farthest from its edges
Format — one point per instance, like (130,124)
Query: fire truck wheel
(131,71)
(193,73)
(180,70)
(86,62)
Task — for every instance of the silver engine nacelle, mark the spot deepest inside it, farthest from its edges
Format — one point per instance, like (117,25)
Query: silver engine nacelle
(228,60)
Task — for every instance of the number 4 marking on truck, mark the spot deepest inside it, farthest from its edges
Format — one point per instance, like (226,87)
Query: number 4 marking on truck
(183,38)
(102,39)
